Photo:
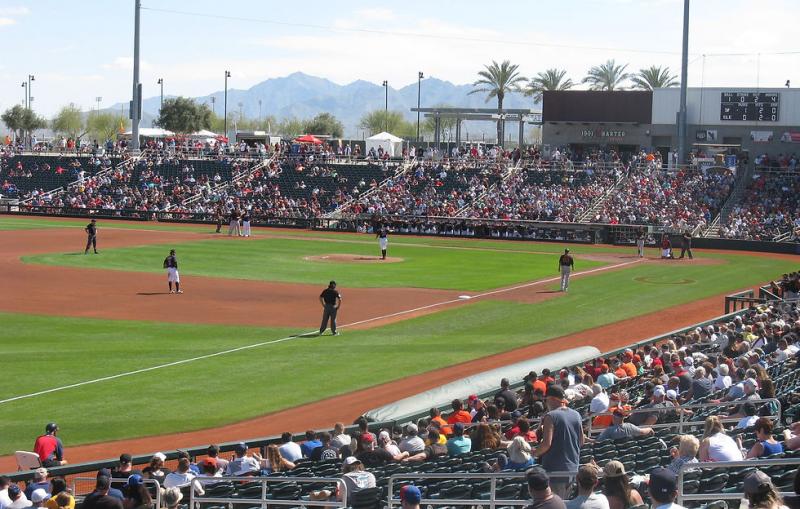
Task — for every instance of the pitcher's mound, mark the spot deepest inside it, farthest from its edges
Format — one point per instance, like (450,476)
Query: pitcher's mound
(349,258)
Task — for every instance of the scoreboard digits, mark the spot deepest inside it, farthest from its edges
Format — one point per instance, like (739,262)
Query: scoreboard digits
(750,106)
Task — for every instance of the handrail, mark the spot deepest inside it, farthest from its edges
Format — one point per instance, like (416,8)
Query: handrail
(195,497)
(400,170)
(146,482)
(725,464)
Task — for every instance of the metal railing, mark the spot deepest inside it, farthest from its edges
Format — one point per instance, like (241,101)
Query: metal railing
(196,498)
(683,423)
(719,495)
(154,487)
(492,502)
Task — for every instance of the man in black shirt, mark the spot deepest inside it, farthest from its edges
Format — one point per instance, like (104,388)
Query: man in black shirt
(686,244)
(539,488)
(91,239)
(171,264)
(99,498)
(325,451)
(331,300)
(566,265)
(507,395)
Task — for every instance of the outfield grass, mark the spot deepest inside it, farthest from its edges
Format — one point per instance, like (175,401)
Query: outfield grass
(277,259)
(45,352)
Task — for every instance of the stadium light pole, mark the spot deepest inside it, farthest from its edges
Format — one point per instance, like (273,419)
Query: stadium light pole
(136,114)
(419,98)
(31,78)
(161,84)
(227,75)
(386,106)
(25,94)
(682,120)
(99,100)
(213,105)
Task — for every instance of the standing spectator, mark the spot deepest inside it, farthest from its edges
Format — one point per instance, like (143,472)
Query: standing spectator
(663,489)
(562,437)
(541,492)
(49,447)
(616,487)
(290,449)
(587,483)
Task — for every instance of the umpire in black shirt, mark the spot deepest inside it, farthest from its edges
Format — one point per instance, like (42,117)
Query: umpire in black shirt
(331,300)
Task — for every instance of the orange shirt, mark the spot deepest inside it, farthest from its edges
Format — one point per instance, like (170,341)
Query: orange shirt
(621,373)
(460,416)
(539,384)
(604,421)
(630,369)
(443,427)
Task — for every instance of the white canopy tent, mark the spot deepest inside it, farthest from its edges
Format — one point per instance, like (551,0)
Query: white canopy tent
(150,132)
(388,141)
(203,133)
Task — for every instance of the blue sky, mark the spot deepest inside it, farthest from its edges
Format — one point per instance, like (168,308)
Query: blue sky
(83,49)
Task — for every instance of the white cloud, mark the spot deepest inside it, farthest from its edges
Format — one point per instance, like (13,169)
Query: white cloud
(4,22)
(375,14)
(14,11)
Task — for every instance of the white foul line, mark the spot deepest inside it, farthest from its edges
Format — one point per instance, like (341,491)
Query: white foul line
(305,334)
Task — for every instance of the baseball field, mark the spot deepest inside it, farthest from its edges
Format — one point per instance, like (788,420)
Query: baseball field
(97,344)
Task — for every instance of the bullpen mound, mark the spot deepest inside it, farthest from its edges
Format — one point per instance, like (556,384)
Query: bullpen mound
(350,258)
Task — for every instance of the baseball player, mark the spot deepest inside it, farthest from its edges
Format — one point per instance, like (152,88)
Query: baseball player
(171,264)
(246,223)
(331,301)
(219,215)
(91,239)
(234,223)
(383,240)
(686,244)
(566,265)
(666,248)
(640,242)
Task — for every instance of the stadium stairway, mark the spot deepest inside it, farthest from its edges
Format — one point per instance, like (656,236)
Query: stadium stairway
(597,205)
(736,195)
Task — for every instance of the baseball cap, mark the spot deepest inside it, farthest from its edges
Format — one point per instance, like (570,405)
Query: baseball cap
(756,482)
(621,412)
(161,456)
(677,365)
(134,481)
(410,494)
(411,428)
(13,491)
(751,382)
(555,391)
(473,397)
(241,448)
(172,496)
(384,435)
(672,394)
(688,361)
(39,495)
(40,472)
(614,468)
(663,482)
(366,438)
(538,479)
(351,459)
(659,391)
(125,458)
(458,428)
(104,471)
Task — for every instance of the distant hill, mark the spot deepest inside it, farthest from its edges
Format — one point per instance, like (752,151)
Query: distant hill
(302,96)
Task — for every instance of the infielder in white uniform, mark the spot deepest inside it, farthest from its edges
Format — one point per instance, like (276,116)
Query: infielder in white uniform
(383,240)
(566,265)
(640,242)
(171,264)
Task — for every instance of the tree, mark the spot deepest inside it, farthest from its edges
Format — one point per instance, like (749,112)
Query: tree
(551,79)
(68,121)
(496,80)
(608,76)
(291,127)
(183,115)
(324,123)
(654,77)
(377,121)
(22,120)
(104,126)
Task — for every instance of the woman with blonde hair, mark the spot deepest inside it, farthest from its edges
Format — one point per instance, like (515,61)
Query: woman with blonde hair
(716,445)
(685,453)
(275,462)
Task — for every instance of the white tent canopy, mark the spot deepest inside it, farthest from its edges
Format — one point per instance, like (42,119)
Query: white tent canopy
(151,132)
(388,141)
(203,133)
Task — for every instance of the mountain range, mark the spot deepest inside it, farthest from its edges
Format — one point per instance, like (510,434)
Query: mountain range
(302,96)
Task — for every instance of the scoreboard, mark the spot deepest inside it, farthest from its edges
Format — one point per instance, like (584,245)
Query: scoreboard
(750,106)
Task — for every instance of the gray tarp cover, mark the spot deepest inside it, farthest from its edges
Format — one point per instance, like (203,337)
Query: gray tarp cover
(479,383)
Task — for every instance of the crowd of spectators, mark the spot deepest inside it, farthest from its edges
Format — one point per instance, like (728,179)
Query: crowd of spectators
(769,207)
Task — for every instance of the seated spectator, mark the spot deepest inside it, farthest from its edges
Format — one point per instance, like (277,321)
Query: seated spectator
(459,414)
(621,429)
(355,478)
(663,489)
(661,409)
(290,449)
(507,395)
(716,445)
(458,444)
(39,481)
(274,462)
(60,497)
(519,455)
(616,487)
(242,464)
(412,444)
(372,457)
(136,494)
(522,428)
(325,451)
(112,491)
(410,497)
(311,443)
(765,445)
(760,493)
(339,439)
(791,436)
(156,469)
(172,497)
(485,436)
(587,482)
(539,489)
(723,381)
(181,477)
(436,417)
(434,449)
(213,455)
(99,498)
(125,468)
(701,385)
(750,417)
(385,442)
(606,378)
(686,453)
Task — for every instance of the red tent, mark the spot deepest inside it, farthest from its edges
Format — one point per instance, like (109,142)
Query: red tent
(309,138)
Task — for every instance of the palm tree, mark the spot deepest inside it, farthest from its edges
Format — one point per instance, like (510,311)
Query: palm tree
(551,79)
(496,80)
(654,77)
(606,76)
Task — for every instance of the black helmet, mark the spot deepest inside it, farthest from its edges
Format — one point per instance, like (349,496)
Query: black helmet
(51,427)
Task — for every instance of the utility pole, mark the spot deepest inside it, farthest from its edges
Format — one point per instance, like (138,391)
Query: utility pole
(259,110)
(682,120)
(227,75)
(136,113)
(419,98)
(31,78)
(386,107)
(161,83)
(98,99)
(213,105)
